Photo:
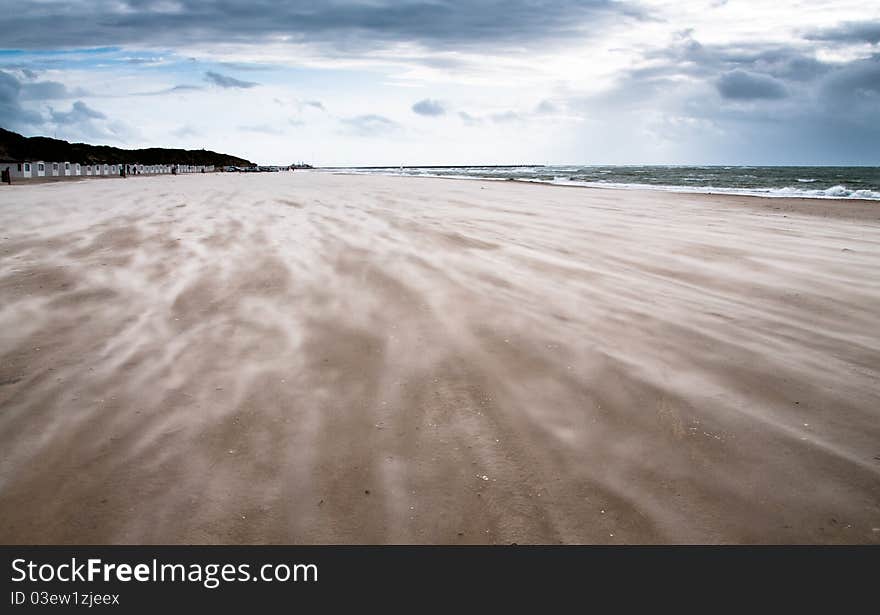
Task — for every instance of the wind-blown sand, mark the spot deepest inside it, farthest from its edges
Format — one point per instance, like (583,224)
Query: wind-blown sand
(306,357)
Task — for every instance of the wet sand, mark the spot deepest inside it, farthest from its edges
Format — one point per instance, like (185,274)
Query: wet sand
(316,358)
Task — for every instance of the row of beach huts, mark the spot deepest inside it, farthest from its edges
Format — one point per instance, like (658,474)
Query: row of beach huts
(29,170)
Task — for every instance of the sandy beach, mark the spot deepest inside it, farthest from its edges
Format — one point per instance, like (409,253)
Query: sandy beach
(317,358)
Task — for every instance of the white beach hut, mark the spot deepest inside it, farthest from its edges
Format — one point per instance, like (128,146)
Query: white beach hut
(53,169)
(40,169)
(66,170)
(22,170)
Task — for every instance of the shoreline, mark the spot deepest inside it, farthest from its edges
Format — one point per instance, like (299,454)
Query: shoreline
(867,209)
(633,187)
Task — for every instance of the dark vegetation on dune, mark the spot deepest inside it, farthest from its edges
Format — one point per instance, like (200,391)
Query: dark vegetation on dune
(14,146)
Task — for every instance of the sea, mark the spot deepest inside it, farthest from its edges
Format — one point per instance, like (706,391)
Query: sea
(804,182)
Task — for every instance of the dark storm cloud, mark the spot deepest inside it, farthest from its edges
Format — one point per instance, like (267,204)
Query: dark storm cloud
(13,115)
(20,101)
(741,85)
(855,84)
(688,57)
(849,32)
(227,82)
(749,102)
(346,25)
(428,107)
(751,71)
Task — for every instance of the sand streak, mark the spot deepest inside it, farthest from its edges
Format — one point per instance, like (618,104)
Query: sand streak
(307,357)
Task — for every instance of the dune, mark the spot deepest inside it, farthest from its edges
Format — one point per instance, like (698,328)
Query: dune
(318,358)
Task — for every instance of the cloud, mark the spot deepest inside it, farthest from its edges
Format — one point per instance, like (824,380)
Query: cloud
(266,129)
(186,131)
(428,107)
(687,57)
(370,125)
(80,113)
(49,90)
(686,101)
(177,89)
(855,83)
(180,89)
(506,116)
(150,61)
(227,82)
(469,119)
(86,123)
(849,32)
(12,114)
(301,106)
(348,26)
(808,79)
(80,122)
(741,85)
(546,107)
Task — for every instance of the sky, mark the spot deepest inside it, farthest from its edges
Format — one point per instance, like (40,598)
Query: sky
(380,82)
